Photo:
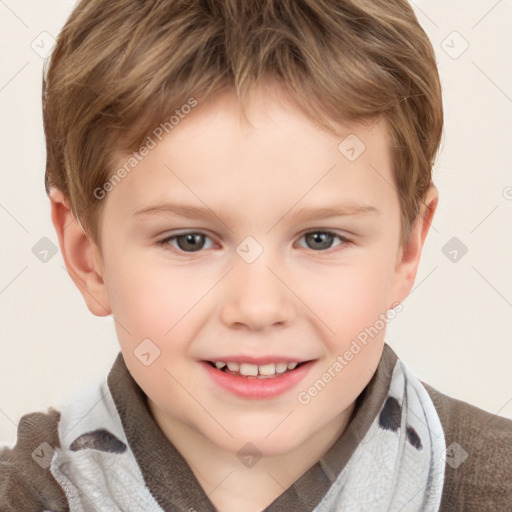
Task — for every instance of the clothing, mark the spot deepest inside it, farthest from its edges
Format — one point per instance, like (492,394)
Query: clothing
(104,451)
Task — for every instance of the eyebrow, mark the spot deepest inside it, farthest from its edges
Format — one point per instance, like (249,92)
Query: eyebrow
(205,213)
(190,212)
(347,210)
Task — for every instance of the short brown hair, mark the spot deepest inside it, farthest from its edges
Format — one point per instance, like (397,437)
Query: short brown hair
(121,67)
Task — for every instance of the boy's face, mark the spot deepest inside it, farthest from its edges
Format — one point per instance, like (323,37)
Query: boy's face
(260,281)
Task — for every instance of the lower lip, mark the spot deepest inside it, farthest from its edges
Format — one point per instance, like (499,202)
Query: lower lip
(255,388)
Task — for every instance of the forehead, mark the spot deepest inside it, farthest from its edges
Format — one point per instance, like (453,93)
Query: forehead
(273,159)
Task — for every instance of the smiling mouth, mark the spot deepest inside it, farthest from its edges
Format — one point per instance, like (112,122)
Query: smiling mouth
(263,371)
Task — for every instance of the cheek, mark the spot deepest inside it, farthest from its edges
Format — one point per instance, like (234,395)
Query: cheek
(348,299)
(352,302)
(153,309)
(150,299)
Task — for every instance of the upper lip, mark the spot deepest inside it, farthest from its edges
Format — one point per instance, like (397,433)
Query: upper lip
(259,361)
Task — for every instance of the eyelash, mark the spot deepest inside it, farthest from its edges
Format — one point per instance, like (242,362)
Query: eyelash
(164,243)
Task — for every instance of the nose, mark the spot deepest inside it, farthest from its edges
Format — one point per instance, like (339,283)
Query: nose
(257,297)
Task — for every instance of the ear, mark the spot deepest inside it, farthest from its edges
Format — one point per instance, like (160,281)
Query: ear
(409,255)
(81,256)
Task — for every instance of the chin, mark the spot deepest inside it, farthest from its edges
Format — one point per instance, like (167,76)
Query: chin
(260,442)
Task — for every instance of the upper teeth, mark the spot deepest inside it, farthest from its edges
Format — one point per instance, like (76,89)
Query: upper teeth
(254,370)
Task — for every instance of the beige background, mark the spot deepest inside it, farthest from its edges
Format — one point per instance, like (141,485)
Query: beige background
(455,329)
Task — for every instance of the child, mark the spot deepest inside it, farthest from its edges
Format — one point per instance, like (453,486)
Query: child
(246,188)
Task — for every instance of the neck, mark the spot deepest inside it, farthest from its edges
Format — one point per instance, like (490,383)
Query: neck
(251,485)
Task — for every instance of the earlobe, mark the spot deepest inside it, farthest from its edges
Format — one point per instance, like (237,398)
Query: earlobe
(81,256)
(409,255)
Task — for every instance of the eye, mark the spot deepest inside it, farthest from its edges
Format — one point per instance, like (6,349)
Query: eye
(191,241)
(186,242)
(323,240)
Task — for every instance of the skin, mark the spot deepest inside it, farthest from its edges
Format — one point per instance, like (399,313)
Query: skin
(298,299)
